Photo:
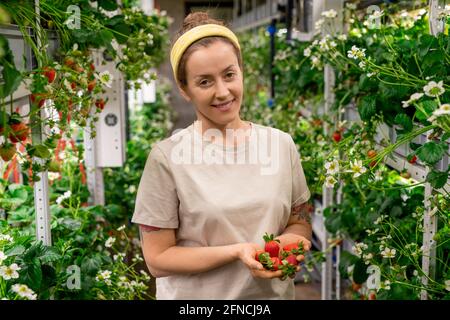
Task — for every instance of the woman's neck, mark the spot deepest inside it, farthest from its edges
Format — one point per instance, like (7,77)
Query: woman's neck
(234,132)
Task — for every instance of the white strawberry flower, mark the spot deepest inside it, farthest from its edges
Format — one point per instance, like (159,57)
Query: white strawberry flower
(414,97)
(109,242)
(23,291)
(378,175)
(359,247)
(356,53)
(350,6)
(330,181)
(3,257)
(330,14)
(367,257)
(376,15)
(106,78)
(388,253)
(318,24)
(6,237)
(433,89)
(67,85)
(315,61)
(342,37)
(357,168)
(121,228)
(10,272)
(332,167)
(307,52)
(444,109)
(104,276)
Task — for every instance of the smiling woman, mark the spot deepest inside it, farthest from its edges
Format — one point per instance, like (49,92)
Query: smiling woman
(203,214)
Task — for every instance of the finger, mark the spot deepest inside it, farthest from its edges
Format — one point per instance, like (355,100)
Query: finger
(306,245)
(300,257)
(253,264)
(266,274)
(298,269)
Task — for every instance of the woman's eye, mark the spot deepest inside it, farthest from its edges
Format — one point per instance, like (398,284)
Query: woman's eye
(204,83)
(230,74)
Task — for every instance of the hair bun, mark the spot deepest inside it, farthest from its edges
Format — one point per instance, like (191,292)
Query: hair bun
(196,19)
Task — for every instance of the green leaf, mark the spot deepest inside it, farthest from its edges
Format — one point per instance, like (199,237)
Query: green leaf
(19,192)
(122,32)
(32,274)
(431,152)
(12,79)
(42,152)
(414,146)
(426,41)
(403,120)
(347,259)
(49,254)
(437,179)
(90,265)
(367,107)
(445,136)
(429,106)
(108,5)
(15,251)
(360,274)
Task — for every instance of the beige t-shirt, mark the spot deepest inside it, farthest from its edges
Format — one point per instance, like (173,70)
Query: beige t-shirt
(214,196)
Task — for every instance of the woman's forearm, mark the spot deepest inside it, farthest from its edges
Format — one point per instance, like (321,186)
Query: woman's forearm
(191,260)
(298,229)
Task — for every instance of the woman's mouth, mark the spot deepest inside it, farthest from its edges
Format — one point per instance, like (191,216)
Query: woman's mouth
(224,106)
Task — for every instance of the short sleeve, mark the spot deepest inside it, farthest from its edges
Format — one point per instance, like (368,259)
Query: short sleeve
(157,200)
(300,190)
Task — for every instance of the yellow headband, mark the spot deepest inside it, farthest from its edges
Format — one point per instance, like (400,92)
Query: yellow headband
(188,38)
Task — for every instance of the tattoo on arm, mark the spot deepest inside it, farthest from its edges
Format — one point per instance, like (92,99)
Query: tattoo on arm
(302,211)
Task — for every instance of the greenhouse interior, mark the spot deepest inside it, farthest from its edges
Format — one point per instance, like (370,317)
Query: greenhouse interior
(346,101)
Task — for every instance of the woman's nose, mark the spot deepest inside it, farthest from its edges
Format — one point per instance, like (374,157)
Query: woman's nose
(222,90)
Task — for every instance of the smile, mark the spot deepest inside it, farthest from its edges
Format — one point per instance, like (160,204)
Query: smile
(224,106)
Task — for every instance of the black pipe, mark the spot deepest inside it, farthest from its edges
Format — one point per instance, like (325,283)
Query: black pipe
(289,11)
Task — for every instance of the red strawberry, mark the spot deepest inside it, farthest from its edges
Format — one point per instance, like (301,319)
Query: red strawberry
(258,253)
(92,67)
(413,159)
(38,98)
(356,286)
(50,73)
(337,136)
(405,174)
(293,248)
(20,132)
(271,246)
(276,263)
(372,295)
(73,85)
(100,103)
(371,153)
(7,151)
(91,85)
(292,259)
(69,62)
(373,163)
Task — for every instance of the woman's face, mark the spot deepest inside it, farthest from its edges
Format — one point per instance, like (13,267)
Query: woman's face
(215,84)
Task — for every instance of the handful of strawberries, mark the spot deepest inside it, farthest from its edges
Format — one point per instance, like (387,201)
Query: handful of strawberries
(274,259)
